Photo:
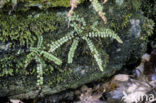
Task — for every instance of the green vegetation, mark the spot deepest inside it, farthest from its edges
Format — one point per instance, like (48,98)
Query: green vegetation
(79,32)
(18,34)
(36,53)
(25,30)
(42,4)
(33,30)
(33,39)
(148,28)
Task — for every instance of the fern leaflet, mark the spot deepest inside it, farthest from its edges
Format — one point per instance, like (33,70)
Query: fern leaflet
(28,59)
(39,43)
(94,52)
(61,41)
(51,57)
(39,72)
(72,50)
(105,33)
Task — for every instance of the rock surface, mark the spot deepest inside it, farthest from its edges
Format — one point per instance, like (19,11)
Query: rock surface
(17,82)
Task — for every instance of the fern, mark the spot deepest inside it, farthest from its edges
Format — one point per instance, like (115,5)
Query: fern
(35,54)
(78,27)
(94,52)
(28,59)
(61,41)
(96,5)
(39,72)
(104,34)
(72,50)
(40,40)
(34,50)
(78,24)
(51,57)
(98,8)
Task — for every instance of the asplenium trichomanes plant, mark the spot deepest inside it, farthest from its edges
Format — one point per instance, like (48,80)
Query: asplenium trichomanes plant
(78,24)
(96,5)
(36,53)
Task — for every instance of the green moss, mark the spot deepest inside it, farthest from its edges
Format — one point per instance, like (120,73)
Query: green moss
(126,19)
(64,3)
(148,8)
(25,28)
(52,27)
(21,32)
(42,4)
(147,28)
(119,16)
(59,76)
(6,66)
(53,3)
(136,4)
(121,23)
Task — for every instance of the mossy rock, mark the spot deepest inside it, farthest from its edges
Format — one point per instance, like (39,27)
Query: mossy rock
(19,82)
(50,3)
(42,4)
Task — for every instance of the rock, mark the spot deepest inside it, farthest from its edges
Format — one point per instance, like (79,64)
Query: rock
(132,90)
(135,28)
(57,98)
(42,4)
(139,71)
(15,101)
(121,77)
(91,95)
(119,2)
(24,27)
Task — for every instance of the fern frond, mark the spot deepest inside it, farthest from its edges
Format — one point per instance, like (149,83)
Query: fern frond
(39,43)
(39,72)
(94,52)
(61,41)
(77,18)
(77,23)
(98,8)
(28,59)
(72,50)
(104,34)
(35,50)
(51,57)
